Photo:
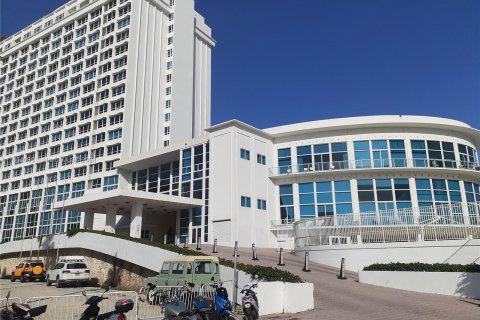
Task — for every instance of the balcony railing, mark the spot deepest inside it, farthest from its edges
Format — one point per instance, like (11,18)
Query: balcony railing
(373,163)
(441,222)
(454,214)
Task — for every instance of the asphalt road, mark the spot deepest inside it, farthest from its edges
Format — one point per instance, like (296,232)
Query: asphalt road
(349,299)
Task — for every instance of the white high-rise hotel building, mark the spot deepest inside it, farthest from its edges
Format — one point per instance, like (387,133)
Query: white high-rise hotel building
(105,124)
(91,82)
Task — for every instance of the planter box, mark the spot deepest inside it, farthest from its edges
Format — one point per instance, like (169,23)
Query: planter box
(461,284)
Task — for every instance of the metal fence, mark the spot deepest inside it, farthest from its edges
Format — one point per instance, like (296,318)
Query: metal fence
(3,301)
(70,307)
(151,302)
(441,222)
(310,235)
(374,163)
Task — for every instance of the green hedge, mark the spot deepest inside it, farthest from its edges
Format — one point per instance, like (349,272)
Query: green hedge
(263,273)
(425,267)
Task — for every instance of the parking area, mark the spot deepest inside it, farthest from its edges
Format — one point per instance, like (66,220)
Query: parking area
(39,289)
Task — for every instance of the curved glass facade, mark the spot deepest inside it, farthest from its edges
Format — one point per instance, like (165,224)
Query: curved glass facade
(375,153)
(431,197)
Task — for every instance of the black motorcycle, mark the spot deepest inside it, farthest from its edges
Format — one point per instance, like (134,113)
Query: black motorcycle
(92,312)
(20,311)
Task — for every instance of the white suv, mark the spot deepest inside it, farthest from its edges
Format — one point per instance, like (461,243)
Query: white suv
(68,271)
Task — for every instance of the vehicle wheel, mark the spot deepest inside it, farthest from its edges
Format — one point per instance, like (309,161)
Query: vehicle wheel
(151,296)
(13,277)
(57,283)
(47,282)
(22,278)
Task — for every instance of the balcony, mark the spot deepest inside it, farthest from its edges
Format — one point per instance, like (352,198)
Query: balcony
(370,164)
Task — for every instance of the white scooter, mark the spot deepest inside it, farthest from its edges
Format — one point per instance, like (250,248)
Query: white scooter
(250,302)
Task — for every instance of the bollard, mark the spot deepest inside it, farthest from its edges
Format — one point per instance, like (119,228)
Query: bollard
(176,241)
(280,258)
(235,250)
(215,250)
(165,239)
(342,275)
(199,245)
(306,264)
(185,244)
(254,252)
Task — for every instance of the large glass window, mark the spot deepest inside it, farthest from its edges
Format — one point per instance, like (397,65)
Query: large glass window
(380,154)
(324,199)
(286,203)
(284,161)
(339,155)
(307,199)
(322,156)
(419,153)
(362,154)
(397,153)
(343,197)
(304,158)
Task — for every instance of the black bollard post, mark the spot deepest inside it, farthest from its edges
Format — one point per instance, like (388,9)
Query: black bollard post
(306,264)
(342,274)
(254,252)
(235,250)
(185,244)
(215,250)
(280,258)
(199,245)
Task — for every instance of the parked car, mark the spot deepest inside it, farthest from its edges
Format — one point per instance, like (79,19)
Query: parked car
(197,270)
(69,270)
(29,270)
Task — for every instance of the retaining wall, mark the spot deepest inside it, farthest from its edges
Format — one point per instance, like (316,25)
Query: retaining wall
(461,284)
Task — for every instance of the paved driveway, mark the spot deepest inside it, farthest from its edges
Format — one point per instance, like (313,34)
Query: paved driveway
(349,299)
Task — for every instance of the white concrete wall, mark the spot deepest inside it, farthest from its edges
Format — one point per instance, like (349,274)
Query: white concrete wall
(274,297)
(144,120)
(232,177)
(461,284)
(357,256)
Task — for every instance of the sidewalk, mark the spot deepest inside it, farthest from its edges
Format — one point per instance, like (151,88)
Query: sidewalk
(349,300)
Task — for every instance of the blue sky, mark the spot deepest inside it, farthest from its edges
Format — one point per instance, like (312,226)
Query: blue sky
(279,61)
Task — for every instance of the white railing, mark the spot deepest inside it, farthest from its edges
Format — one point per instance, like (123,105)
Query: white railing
(455,213)
(70,307)
(309,236)
(152,302)
(441,222)
(373,163)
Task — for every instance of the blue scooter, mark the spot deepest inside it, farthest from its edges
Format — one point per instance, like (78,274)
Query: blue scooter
(223,306)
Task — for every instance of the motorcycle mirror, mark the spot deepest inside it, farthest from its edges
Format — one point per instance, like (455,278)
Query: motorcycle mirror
(8,295)
(84,294)
(191,285)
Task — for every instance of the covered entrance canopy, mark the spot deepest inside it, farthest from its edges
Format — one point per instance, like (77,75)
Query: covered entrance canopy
(126,202)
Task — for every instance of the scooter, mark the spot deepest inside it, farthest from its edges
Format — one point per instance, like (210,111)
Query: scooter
(92,312)
(250,302)
(20,311)
(223,306)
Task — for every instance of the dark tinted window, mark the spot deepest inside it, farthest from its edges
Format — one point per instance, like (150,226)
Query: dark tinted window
(76,266)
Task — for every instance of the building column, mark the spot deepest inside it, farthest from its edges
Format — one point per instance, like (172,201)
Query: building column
(136,219)
(88,217)
(111,220)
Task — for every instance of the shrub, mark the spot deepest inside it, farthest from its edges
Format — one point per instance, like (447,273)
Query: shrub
(425,267)
(263,273)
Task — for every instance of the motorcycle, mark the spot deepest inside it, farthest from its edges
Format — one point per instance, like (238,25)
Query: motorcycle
(223,306)
(250,302)
(92,311)
(20,311)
